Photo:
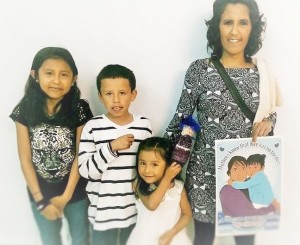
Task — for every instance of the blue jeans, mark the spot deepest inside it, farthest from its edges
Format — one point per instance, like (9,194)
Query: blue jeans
(112,236)
(75,214)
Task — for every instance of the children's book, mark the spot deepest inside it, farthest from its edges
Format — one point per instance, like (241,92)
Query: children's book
(252,205)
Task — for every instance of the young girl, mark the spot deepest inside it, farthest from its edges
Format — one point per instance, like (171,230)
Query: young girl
(162,204)
(49,120)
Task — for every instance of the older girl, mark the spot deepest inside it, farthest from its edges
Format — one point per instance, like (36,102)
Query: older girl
(49,121)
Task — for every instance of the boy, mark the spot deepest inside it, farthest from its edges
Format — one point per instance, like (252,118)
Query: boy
(107,152)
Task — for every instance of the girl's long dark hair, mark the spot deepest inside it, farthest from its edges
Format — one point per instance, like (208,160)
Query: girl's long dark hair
(159,145)
(34,99)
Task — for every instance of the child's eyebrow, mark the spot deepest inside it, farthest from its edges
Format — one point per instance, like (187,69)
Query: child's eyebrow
(51,69)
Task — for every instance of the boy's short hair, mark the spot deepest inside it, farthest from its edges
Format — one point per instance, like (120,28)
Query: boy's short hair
(116,71)
(256,158)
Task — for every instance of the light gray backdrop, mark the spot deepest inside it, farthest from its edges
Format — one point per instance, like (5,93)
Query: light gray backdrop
(158,40)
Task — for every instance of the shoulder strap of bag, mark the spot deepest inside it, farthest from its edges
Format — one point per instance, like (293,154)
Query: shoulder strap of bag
(233,90)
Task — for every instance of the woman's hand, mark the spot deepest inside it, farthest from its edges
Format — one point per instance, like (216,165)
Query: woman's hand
(276,205)
(262,128)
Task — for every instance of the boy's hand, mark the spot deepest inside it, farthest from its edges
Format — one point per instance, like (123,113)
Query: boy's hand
(122,143)
(172,171)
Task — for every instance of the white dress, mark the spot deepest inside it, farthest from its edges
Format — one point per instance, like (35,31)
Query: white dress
(151,225)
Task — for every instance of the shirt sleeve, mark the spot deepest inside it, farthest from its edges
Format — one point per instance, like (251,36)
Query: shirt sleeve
(255,180)
(84,112)
(17,115)
(92,162)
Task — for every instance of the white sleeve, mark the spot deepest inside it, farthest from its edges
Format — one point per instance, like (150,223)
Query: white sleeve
(92,162)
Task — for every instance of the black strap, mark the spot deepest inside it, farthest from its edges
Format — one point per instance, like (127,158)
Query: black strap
(233,90)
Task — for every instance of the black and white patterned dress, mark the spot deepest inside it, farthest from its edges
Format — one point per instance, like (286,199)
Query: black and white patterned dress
(205,93)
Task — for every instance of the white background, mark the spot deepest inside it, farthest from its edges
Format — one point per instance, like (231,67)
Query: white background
(158,40)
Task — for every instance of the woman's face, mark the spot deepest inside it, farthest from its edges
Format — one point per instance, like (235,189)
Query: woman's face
(238,172)
(235,28)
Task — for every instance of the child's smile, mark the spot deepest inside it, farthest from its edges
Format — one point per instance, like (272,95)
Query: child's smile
(55,78)
(151,166)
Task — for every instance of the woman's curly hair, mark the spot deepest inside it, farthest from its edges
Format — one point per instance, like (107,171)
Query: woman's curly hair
(257,22)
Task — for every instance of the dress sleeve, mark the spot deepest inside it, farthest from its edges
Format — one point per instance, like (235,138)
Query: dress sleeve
(188,99)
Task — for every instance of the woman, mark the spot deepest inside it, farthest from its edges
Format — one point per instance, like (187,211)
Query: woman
(234,35)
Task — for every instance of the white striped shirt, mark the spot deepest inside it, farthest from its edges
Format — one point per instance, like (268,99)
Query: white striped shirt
(110,175)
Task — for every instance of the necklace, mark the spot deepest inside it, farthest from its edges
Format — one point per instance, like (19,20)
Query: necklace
(49,115)
(52,114)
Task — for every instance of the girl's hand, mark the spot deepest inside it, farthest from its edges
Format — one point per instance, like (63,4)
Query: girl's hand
(59,202)
(51,212)
(122,143)
(262,128)
(172,171)
(166,238)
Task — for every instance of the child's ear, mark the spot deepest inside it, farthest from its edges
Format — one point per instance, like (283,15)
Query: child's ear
(32,73)
(133,95)
(74,79)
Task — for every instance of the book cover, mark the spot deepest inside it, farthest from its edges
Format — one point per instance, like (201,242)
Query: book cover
(248,185)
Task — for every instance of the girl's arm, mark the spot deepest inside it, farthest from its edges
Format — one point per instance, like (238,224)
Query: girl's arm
(24,149)
(62,200)
(152,201)
(186,215)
